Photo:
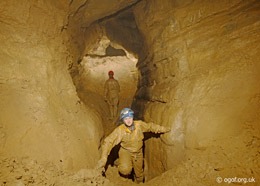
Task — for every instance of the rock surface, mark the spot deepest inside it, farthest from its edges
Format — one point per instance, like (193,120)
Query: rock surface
(41,114)
(200,77)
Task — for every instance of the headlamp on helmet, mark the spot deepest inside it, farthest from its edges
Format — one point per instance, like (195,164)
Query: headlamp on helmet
(127,112)
(110,73)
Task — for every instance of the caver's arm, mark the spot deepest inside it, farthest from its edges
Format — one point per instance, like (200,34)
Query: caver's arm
(151,127)
(112,140)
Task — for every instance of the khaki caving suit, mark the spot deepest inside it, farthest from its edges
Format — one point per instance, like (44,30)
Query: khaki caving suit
(131,152)
(112,90)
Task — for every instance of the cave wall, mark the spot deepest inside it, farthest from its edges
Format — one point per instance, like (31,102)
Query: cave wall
(200,77)
(82,23)
(122,29)
(41,115)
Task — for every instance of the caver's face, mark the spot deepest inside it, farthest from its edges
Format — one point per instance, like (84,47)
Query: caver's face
(110,75)
(128,121)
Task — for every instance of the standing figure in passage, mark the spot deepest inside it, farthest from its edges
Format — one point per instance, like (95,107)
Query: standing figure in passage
(112,90)
(130,136)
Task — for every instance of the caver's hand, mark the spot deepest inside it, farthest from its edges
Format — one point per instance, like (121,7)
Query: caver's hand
(166,138)
(100,171)
(101,164)
(167,129)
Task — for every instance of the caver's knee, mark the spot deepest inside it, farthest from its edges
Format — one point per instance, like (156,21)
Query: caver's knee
(125,169)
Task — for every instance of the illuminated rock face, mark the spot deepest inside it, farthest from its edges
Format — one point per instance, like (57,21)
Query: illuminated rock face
(41,115)
(201,77)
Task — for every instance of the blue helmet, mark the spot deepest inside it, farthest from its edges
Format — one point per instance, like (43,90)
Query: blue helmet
(127,112)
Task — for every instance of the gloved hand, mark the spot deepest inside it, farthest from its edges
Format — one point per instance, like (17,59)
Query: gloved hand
(101,164)
(167,129)
(166,138)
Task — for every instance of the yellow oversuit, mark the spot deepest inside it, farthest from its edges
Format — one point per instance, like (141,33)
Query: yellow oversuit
(112,90)
(130,153)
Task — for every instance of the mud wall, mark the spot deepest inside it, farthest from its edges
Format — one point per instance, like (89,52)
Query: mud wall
(201,77)
(41,115)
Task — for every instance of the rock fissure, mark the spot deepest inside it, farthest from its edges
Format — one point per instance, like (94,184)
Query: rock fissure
(80,7)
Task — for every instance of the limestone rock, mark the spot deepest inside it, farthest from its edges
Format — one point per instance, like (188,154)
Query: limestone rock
(202,59)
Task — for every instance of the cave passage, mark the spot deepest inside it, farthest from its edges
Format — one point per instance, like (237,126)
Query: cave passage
(109,53)
(93,72)
(192,66)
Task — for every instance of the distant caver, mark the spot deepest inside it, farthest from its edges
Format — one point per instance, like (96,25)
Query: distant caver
(112,90)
